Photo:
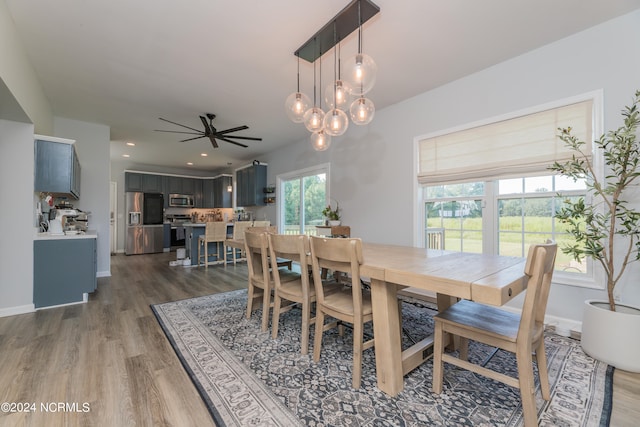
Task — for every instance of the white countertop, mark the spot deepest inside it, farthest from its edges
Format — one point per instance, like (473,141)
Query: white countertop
(200,224)
(90,234)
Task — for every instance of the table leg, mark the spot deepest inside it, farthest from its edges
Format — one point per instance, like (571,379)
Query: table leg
(388,346)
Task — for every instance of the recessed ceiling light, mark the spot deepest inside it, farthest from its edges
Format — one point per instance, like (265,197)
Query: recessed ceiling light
(190,163)
(131,144)
(204,154)
(125,155)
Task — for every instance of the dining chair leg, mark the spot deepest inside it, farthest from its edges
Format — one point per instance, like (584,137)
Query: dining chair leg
(275,321)
(527,387)
(250,299)
(317,339)
(463,348)
(438,348)
(306,321)
(266,303)
(358,335)
(543,373)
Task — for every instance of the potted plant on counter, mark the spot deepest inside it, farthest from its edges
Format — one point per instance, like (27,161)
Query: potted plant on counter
(607,230)
(332,216)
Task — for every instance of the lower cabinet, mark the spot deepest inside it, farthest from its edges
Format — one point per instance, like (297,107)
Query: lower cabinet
(63,270)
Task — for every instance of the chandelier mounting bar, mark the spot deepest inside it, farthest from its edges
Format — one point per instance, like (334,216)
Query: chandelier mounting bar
(340,26)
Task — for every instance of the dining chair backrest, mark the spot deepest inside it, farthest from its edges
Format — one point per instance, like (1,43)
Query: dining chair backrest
(290,246)
(268,229)
(256,247)
(338,255)
(539,270)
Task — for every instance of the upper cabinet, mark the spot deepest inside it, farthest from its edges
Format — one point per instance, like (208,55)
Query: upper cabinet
(250,183)
(57,168)
(207,192)
(142,182)
(215,193)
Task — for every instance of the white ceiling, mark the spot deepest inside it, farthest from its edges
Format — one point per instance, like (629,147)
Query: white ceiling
(126,63)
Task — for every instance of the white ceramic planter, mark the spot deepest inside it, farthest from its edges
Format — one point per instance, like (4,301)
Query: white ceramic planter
(612,337)
(334,223)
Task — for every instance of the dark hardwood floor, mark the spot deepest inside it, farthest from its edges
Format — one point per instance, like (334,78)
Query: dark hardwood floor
(108,363)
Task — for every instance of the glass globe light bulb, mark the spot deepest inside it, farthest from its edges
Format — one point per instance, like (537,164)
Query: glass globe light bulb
(296,105)
(336,122)
(362,111)
(342,95)
(320,141)
(361,74)
(313,119)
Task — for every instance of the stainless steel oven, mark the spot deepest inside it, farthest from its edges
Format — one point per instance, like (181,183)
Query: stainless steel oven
(181,200)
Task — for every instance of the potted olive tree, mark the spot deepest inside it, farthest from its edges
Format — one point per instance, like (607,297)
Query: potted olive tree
(607,230)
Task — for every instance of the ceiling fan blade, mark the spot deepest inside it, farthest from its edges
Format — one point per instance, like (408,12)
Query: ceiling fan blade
(179,131)
(232,142)
(233,129)
(248,138)
(191,139)
(213,141)
(178,124)
(207,128)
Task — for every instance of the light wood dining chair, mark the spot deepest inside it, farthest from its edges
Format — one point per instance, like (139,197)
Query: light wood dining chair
(236,243)
(215,232)
(260,283)
(292,247)
(522,334)
(350,304)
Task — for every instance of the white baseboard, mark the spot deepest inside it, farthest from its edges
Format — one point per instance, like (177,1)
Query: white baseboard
(103,273)
(21,309)
(85,298)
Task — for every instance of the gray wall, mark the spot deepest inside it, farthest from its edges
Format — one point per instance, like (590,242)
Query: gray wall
(373,169)
(16,244)
(92,147)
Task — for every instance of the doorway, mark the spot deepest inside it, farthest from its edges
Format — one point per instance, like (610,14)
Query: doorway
(113,208)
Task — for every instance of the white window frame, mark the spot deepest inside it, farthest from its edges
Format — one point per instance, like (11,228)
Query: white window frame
(298,174)
(595,281)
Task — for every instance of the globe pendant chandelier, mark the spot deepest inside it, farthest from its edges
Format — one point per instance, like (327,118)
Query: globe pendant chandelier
(359,79)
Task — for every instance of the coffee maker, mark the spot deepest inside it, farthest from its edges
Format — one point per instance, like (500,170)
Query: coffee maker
(61,219)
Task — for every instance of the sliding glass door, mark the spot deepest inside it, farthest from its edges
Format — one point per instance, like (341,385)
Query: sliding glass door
(303,196)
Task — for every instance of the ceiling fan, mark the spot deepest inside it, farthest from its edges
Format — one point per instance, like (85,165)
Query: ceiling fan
(211,132)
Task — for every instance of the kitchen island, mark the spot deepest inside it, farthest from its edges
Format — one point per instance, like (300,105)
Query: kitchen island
(64,268)
(193,230)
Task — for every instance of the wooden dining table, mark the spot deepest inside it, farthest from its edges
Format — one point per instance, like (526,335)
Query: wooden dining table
(489,279)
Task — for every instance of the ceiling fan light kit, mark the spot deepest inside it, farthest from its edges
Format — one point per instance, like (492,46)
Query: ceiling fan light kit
(211,132)
(359,79)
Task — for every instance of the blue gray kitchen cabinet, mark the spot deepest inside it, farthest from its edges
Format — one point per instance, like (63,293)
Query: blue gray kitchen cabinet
(143,182)
(250,183)
(222,197)
(57,168)
(151,183)
(63,270)
(133,182)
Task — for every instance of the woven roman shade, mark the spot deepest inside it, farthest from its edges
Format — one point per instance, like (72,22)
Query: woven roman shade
(508,148)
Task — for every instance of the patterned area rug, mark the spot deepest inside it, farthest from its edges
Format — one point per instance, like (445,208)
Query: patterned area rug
(248,379)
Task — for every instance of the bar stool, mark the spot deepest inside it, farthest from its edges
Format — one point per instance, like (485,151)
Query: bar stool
(215,232)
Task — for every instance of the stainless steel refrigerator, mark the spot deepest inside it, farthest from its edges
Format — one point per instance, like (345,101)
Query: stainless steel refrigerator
(144,223)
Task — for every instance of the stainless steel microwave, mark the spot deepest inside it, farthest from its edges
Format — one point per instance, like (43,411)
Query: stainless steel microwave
(181,201)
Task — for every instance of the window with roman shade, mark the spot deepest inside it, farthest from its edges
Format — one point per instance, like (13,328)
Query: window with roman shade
(512,147)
